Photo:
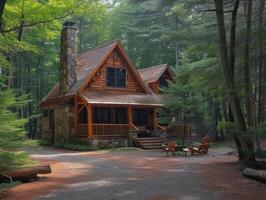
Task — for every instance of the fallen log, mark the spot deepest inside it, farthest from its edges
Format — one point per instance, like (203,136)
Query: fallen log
(259,175)
(25,173)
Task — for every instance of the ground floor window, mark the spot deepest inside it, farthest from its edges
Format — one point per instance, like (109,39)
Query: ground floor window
(110,115)
(102,115)
(120,115)
(140,117)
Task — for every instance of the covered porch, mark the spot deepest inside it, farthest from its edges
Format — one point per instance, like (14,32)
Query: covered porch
(100,118)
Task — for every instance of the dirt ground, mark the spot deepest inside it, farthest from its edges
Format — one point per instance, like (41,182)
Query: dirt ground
(147,175)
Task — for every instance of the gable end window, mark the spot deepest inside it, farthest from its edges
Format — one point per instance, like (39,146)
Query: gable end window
(115,77)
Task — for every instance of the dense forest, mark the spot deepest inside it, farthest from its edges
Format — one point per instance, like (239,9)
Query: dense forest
(217,49)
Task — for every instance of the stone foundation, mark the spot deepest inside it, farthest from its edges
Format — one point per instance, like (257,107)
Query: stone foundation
(102,143)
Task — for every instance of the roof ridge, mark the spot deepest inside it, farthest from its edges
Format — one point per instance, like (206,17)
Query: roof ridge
(152,67)
(98,47)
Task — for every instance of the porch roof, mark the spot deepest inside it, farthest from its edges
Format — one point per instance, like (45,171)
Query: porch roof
(121,98)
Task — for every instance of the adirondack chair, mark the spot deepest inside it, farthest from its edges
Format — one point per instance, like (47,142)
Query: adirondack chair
(170,147)
(205,140)
(202,148)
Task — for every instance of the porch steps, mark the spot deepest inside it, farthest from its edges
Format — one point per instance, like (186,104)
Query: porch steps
(149,142)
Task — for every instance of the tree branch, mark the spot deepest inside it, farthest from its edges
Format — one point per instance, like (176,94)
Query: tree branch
(25,25)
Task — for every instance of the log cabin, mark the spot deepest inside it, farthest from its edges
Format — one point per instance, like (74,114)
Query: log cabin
(101,98)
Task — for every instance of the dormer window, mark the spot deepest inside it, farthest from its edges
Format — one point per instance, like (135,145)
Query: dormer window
(115,77)
(163,82)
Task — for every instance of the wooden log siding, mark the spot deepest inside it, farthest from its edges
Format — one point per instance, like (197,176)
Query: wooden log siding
(155,87)
(115,60)
(110,130)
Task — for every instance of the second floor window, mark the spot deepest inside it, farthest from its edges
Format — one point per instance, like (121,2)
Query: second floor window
(115,77)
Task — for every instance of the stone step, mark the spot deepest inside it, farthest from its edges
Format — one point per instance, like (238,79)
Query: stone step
(150,142)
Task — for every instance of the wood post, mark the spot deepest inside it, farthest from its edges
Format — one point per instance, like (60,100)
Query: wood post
(90,129)
(155,125)
(76,115)
(129,116)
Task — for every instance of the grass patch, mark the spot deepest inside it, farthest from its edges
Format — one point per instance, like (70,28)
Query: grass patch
(77,147)
(44,143)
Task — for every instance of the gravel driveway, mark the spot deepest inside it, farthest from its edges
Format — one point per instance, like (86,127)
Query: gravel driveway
(117,175)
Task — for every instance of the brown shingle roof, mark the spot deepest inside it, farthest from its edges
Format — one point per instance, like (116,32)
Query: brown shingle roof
(152,74)
(122,98)
(87,62)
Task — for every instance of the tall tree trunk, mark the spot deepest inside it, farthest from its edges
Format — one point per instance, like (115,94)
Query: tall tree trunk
(247,153)
(232,60)
(249,97)
(176,44)
(233,37)
(262,68)
(2,7)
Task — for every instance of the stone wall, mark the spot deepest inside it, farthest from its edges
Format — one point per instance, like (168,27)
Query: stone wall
(102,143)
(63,124)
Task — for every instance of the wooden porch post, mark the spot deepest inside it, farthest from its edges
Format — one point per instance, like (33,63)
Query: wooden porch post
(129,116)
(90,129)
(155,125)
(76,115)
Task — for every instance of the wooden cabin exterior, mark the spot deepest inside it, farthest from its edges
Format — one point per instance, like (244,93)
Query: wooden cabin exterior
(157,76)
(100,95)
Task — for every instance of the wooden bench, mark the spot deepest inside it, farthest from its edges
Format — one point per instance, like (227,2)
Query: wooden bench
(170,147)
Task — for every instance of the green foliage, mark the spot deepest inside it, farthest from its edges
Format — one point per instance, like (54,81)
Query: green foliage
(261,154)
(11,160)
(12,132)
(180,142)
(229,126)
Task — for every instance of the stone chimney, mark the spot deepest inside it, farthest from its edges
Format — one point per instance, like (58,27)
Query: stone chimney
(68,55)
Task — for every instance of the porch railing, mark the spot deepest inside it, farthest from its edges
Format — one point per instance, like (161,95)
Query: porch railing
(110,130)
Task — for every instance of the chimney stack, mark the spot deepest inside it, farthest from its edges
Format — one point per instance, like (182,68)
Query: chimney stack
(68,55)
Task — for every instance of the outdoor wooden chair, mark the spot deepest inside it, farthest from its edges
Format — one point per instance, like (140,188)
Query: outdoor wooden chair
(205,140)
(202,149)
(170,147)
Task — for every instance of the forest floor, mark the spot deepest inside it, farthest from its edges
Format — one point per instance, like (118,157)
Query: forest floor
(138,175)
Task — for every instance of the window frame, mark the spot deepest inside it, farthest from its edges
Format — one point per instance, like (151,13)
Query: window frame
(117,79)
(100,113)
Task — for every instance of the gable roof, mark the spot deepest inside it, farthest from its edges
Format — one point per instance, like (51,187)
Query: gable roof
(87,65)
(152,74)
